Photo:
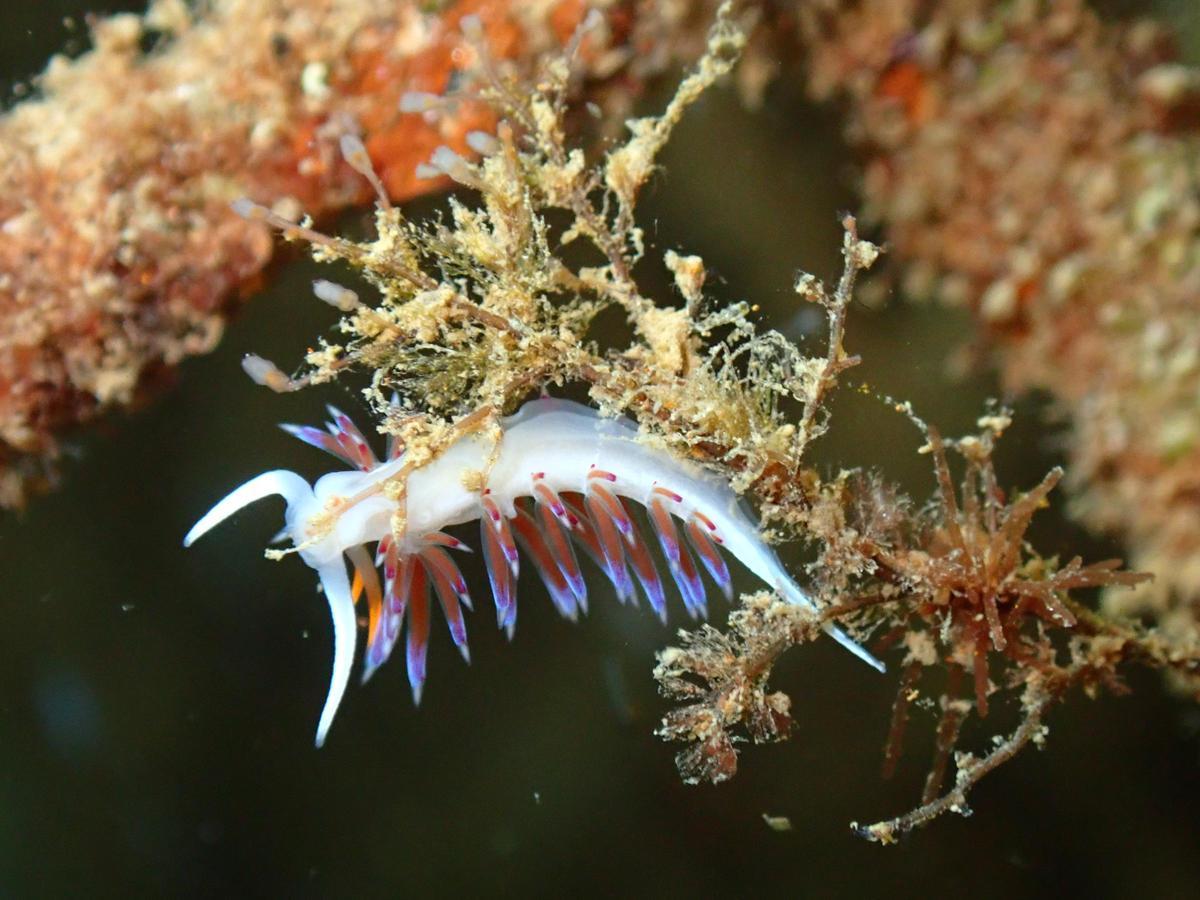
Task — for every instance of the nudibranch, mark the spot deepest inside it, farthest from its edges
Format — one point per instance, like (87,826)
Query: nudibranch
(561,474)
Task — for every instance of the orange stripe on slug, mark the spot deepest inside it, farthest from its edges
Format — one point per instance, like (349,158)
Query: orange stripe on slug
(543,493)
(535,544)
(691,586)
(366,576)
(584,530)
(679,559)
(395,600)
(701,541)
(401,587)
(499,576)
(597,514)
(490,507)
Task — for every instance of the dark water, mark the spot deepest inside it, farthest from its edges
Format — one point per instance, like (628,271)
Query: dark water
(157,706)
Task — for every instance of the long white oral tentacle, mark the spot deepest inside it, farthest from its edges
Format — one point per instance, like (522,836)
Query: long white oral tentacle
(283,482)
(345,636)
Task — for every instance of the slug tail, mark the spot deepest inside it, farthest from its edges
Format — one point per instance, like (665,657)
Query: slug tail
(794,593)
(854,647)
(286,484)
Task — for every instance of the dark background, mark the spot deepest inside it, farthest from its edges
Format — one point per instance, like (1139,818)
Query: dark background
(157,707)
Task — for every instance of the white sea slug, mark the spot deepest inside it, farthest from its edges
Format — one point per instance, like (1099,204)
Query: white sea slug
(560,471)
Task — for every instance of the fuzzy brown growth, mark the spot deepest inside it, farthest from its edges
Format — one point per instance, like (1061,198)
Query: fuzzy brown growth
(120,255)
(721,678)
(1038,166)
(956,587)
(973,578)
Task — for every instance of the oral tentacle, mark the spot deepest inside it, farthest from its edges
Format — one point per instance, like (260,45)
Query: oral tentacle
(288,485)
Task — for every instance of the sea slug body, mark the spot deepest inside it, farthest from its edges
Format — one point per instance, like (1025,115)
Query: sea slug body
(561,475)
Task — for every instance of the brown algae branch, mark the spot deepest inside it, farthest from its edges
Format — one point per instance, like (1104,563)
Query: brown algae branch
(117,176)
(970,772)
